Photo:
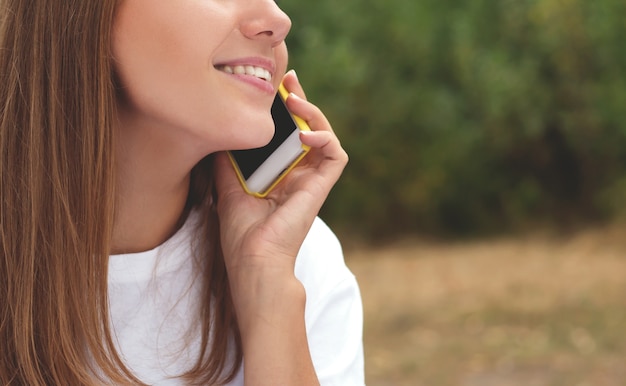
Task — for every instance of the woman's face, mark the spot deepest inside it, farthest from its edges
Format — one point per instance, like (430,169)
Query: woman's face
(201,71)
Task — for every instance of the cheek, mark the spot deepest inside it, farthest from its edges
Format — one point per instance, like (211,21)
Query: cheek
(158,62)
(142,52)
(282,59)
(160,43)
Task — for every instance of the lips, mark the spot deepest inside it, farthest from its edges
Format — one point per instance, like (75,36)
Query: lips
(250,70)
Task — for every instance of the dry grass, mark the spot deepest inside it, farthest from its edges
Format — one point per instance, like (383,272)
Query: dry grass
(526,311)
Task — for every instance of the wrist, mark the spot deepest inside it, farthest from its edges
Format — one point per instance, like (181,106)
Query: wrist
(273,333)
(263,301)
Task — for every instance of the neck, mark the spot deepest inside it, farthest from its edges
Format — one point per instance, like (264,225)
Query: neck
(145,218)
(153,176)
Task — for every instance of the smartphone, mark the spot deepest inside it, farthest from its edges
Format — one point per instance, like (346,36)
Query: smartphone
(260,170)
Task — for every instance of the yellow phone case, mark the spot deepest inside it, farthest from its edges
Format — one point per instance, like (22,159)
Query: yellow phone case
(303,126)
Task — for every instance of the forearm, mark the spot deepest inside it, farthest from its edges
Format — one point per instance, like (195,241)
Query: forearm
(270,312)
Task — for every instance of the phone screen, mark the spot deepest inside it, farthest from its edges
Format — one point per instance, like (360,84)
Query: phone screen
(249,160)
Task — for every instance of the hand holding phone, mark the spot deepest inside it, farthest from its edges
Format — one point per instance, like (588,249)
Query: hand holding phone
(260,238)
(260,170)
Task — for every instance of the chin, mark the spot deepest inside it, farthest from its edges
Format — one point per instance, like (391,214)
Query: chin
(261,135)
(258,142)
(256,139)
(248,129)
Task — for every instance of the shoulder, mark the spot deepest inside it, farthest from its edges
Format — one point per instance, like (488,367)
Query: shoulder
(320,262)
(334,315)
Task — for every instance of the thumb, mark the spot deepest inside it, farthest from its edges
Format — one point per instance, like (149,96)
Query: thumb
(226,180)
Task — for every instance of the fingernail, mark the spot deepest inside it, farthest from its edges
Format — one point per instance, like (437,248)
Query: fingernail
(294,73)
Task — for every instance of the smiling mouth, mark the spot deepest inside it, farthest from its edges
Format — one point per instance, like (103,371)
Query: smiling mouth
(255,71)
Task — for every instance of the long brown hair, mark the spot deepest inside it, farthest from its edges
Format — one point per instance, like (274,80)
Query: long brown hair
(57,203)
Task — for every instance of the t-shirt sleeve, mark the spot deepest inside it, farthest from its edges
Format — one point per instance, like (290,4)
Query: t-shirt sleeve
(334,312)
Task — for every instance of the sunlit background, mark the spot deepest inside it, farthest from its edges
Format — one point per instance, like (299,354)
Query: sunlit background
(482,205)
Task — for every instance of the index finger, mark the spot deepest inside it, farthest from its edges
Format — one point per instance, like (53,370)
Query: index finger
(292,84)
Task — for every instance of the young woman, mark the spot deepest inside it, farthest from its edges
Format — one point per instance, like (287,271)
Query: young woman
(129,253)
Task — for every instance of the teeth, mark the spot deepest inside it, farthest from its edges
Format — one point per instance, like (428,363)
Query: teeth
(248,70)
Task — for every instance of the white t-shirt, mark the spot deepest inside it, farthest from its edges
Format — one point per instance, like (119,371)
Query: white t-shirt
(154,302)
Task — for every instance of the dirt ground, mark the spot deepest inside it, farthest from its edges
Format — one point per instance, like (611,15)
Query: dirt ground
(536,310)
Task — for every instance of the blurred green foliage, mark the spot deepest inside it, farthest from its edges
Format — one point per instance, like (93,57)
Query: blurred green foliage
(468,117)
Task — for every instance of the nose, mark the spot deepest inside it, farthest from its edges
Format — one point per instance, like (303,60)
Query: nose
(265,20)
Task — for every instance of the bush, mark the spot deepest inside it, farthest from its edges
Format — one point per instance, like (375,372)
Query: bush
(468,117)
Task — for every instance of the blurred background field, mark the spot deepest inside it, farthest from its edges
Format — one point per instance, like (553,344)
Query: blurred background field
(482,205)
(536,310)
